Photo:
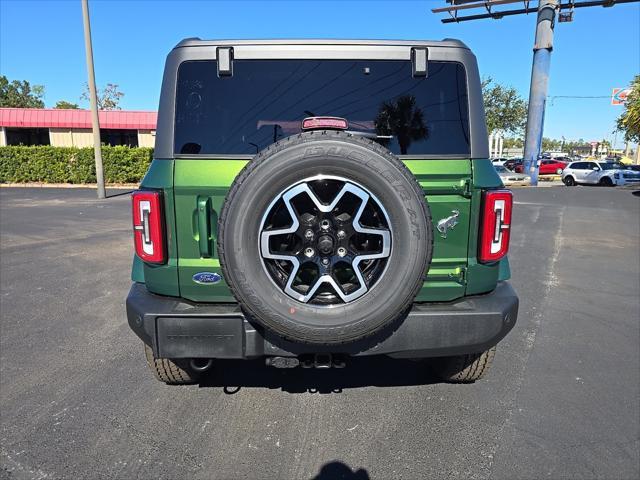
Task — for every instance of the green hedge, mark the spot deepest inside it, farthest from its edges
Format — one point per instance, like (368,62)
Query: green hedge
(72,165)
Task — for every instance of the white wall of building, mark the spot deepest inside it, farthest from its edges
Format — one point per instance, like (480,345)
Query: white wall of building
(67,137)
(146,138)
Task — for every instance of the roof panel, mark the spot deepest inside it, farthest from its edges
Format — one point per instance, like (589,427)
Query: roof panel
(60,118)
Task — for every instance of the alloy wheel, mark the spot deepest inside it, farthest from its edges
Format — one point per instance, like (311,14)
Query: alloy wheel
(325,240)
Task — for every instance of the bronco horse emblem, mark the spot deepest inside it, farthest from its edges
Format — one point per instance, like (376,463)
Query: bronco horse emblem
(448,223)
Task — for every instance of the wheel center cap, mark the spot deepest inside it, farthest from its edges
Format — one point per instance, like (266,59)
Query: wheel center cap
(325,244)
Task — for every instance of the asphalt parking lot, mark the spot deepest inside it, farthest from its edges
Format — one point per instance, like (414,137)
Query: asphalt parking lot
(77,401)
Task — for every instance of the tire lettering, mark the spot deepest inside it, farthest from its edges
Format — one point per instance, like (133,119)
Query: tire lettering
(314,151)
(416,230)
(388,176)
(333,151)
(357,156)
(402,191)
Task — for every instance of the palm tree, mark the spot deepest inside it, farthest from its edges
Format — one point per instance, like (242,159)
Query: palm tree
(402,119)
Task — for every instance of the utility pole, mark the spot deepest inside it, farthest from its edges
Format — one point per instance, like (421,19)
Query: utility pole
(546,13)
(539,86)
(93,100)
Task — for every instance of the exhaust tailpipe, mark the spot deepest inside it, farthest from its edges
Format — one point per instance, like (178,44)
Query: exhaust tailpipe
(200,364)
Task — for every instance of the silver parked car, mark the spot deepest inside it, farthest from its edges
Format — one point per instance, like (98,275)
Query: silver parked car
(512,178)
(598,173)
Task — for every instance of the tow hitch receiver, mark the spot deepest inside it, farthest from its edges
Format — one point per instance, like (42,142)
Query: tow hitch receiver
(318,360)
(282,362)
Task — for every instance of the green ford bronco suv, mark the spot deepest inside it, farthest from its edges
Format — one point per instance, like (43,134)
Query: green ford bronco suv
(314,200)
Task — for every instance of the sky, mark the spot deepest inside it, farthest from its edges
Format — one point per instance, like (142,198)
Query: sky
(42,42)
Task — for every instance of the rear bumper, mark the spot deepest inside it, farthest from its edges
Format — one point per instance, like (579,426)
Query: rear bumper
(175,328)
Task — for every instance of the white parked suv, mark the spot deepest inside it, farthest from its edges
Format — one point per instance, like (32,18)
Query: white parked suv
(598,173)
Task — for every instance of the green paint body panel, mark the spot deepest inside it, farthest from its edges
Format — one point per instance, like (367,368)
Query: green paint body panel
(163,279)
(194,191)
(201,180)
(137,270)
(445,183)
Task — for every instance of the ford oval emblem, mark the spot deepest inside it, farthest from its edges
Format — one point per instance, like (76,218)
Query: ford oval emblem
(206,278)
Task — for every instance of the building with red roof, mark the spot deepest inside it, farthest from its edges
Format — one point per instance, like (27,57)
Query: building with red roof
(72,128)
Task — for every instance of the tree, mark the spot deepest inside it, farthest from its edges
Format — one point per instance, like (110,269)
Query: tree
(605,143)
(505,109)
(108,98)
(570,146)
(629,121)
(67,105)
(551,144)
(402,119)
(20,94)
(515,142)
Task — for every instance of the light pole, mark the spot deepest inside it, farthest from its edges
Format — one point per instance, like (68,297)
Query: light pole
(541,54)
(93,100)
(539,86)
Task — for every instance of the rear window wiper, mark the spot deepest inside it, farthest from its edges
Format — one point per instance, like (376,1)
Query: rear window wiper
(373,136)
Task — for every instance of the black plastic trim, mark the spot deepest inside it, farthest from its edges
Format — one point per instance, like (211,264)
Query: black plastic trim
(176,328)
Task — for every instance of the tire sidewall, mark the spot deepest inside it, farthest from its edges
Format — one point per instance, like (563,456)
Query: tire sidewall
(411,249)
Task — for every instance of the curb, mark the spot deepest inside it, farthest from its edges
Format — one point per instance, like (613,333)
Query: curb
(540,185)
(549,178)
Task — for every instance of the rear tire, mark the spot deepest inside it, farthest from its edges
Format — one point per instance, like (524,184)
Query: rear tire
(171,372)
(569,181)
(606,182)
(464,368)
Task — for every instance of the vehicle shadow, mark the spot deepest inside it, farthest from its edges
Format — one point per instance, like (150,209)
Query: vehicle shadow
(339,470)
(378,371)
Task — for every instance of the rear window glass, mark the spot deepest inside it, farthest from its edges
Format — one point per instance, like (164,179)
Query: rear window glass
(266,100)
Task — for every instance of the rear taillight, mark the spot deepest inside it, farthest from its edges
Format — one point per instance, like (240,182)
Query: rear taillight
(496,225)
(332,123)
(148,229)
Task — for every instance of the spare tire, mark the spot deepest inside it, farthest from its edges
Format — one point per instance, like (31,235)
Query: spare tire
(325,238)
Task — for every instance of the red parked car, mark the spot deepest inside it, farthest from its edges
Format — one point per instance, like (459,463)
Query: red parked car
(547,167)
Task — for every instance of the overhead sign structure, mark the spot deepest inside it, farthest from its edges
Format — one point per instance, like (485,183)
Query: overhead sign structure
(548,11)
(619,96)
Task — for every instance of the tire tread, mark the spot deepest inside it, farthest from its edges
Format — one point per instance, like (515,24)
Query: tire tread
(167,371)
(465,368)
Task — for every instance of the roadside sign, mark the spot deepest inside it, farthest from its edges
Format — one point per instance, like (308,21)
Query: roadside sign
(619,96)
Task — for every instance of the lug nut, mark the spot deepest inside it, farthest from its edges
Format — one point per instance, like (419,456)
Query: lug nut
(308,252)
(324,224)
(308,234)
(325,261)
(341,234)
(342,251)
